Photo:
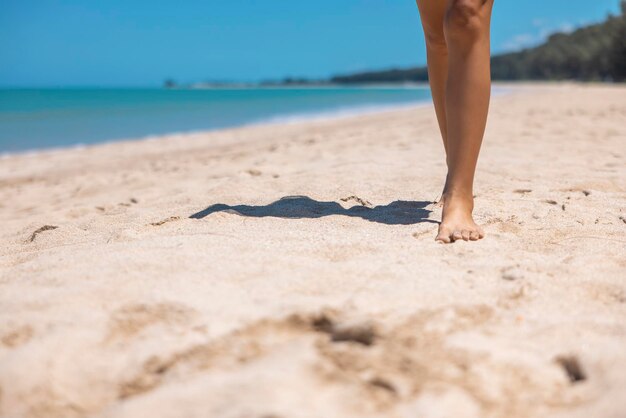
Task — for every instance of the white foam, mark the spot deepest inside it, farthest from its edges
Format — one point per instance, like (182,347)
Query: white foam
(338,113)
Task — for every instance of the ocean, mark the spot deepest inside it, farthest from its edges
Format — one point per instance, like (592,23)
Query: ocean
(32,119)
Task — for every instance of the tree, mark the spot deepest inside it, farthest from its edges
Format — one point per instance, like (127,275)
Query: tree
(617,53)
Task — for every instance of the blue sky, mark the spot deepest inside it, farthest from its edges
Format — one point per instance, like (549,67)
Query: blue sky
(140,42)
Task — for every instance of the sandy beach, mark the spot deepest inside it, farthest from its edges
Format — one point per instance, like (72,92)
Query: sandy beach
(290,270)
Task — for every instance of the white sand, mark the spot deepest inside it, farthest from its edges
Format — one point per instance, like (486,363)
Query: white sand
(130,308)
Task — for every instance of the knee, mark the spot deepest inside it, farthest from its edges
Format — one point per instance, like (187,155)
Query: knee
(434,36)
(464,21)
(436,41)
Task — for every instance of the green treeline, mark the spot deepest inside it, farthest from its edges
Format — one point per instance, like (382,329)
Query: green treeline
(592,53)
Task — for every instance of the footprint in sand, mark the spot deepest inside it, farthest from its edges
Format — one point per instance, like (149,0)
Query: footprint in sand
(386,365)
(17,336)
(131,201)
(40,230)
(164,221)
(419,234)
(512,273)
(357,332)
(572,368)
(131,320)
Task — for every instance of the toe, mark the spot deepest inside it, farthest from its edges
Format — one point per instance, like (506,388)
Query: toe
(443,236)
(481,233)
(474,236)
(456,235)
(465,234)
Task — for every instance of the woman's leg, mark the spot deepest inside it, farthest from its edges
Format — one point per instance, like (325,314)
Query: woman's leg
(467,30)
(432,13)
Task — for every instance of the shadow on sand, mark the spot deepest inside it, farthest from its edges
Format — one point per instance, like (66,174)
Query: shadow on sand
(400,212)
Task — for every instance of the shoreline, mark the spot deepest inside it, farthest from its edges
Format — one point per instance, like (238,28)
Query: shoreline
(315,116)
(500,88)
(305,117)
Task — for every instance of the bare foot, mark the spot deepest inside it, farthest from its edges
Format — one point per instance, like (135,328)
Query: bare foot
(457,222)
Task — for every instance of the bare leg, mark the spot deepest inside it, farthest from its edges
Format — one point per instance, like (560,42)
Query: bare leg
(432,13)
(459,73)
(466,28)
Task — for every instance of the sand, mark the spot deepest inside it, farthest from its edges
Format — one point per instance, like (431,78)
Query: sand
(290,270)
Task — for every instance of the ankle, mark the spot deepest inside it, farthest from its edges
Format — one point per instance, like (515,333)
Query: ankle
(458,200)
(458,193)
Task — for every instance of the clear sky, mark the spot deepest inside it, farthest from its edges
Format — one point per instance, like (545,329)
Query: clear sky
(141,42)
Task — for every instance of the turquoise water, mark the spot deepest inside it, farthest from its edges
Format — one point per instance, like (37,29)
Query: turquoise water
(45,118)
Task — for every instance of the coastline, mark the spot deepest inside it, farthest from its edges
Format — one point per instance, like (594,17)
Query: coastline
(500,88)
(320,116)
(39,119)
(233,271)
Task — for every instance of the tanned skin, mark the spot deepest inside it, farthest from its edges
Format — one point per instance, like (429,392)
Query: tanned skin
(458,49)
